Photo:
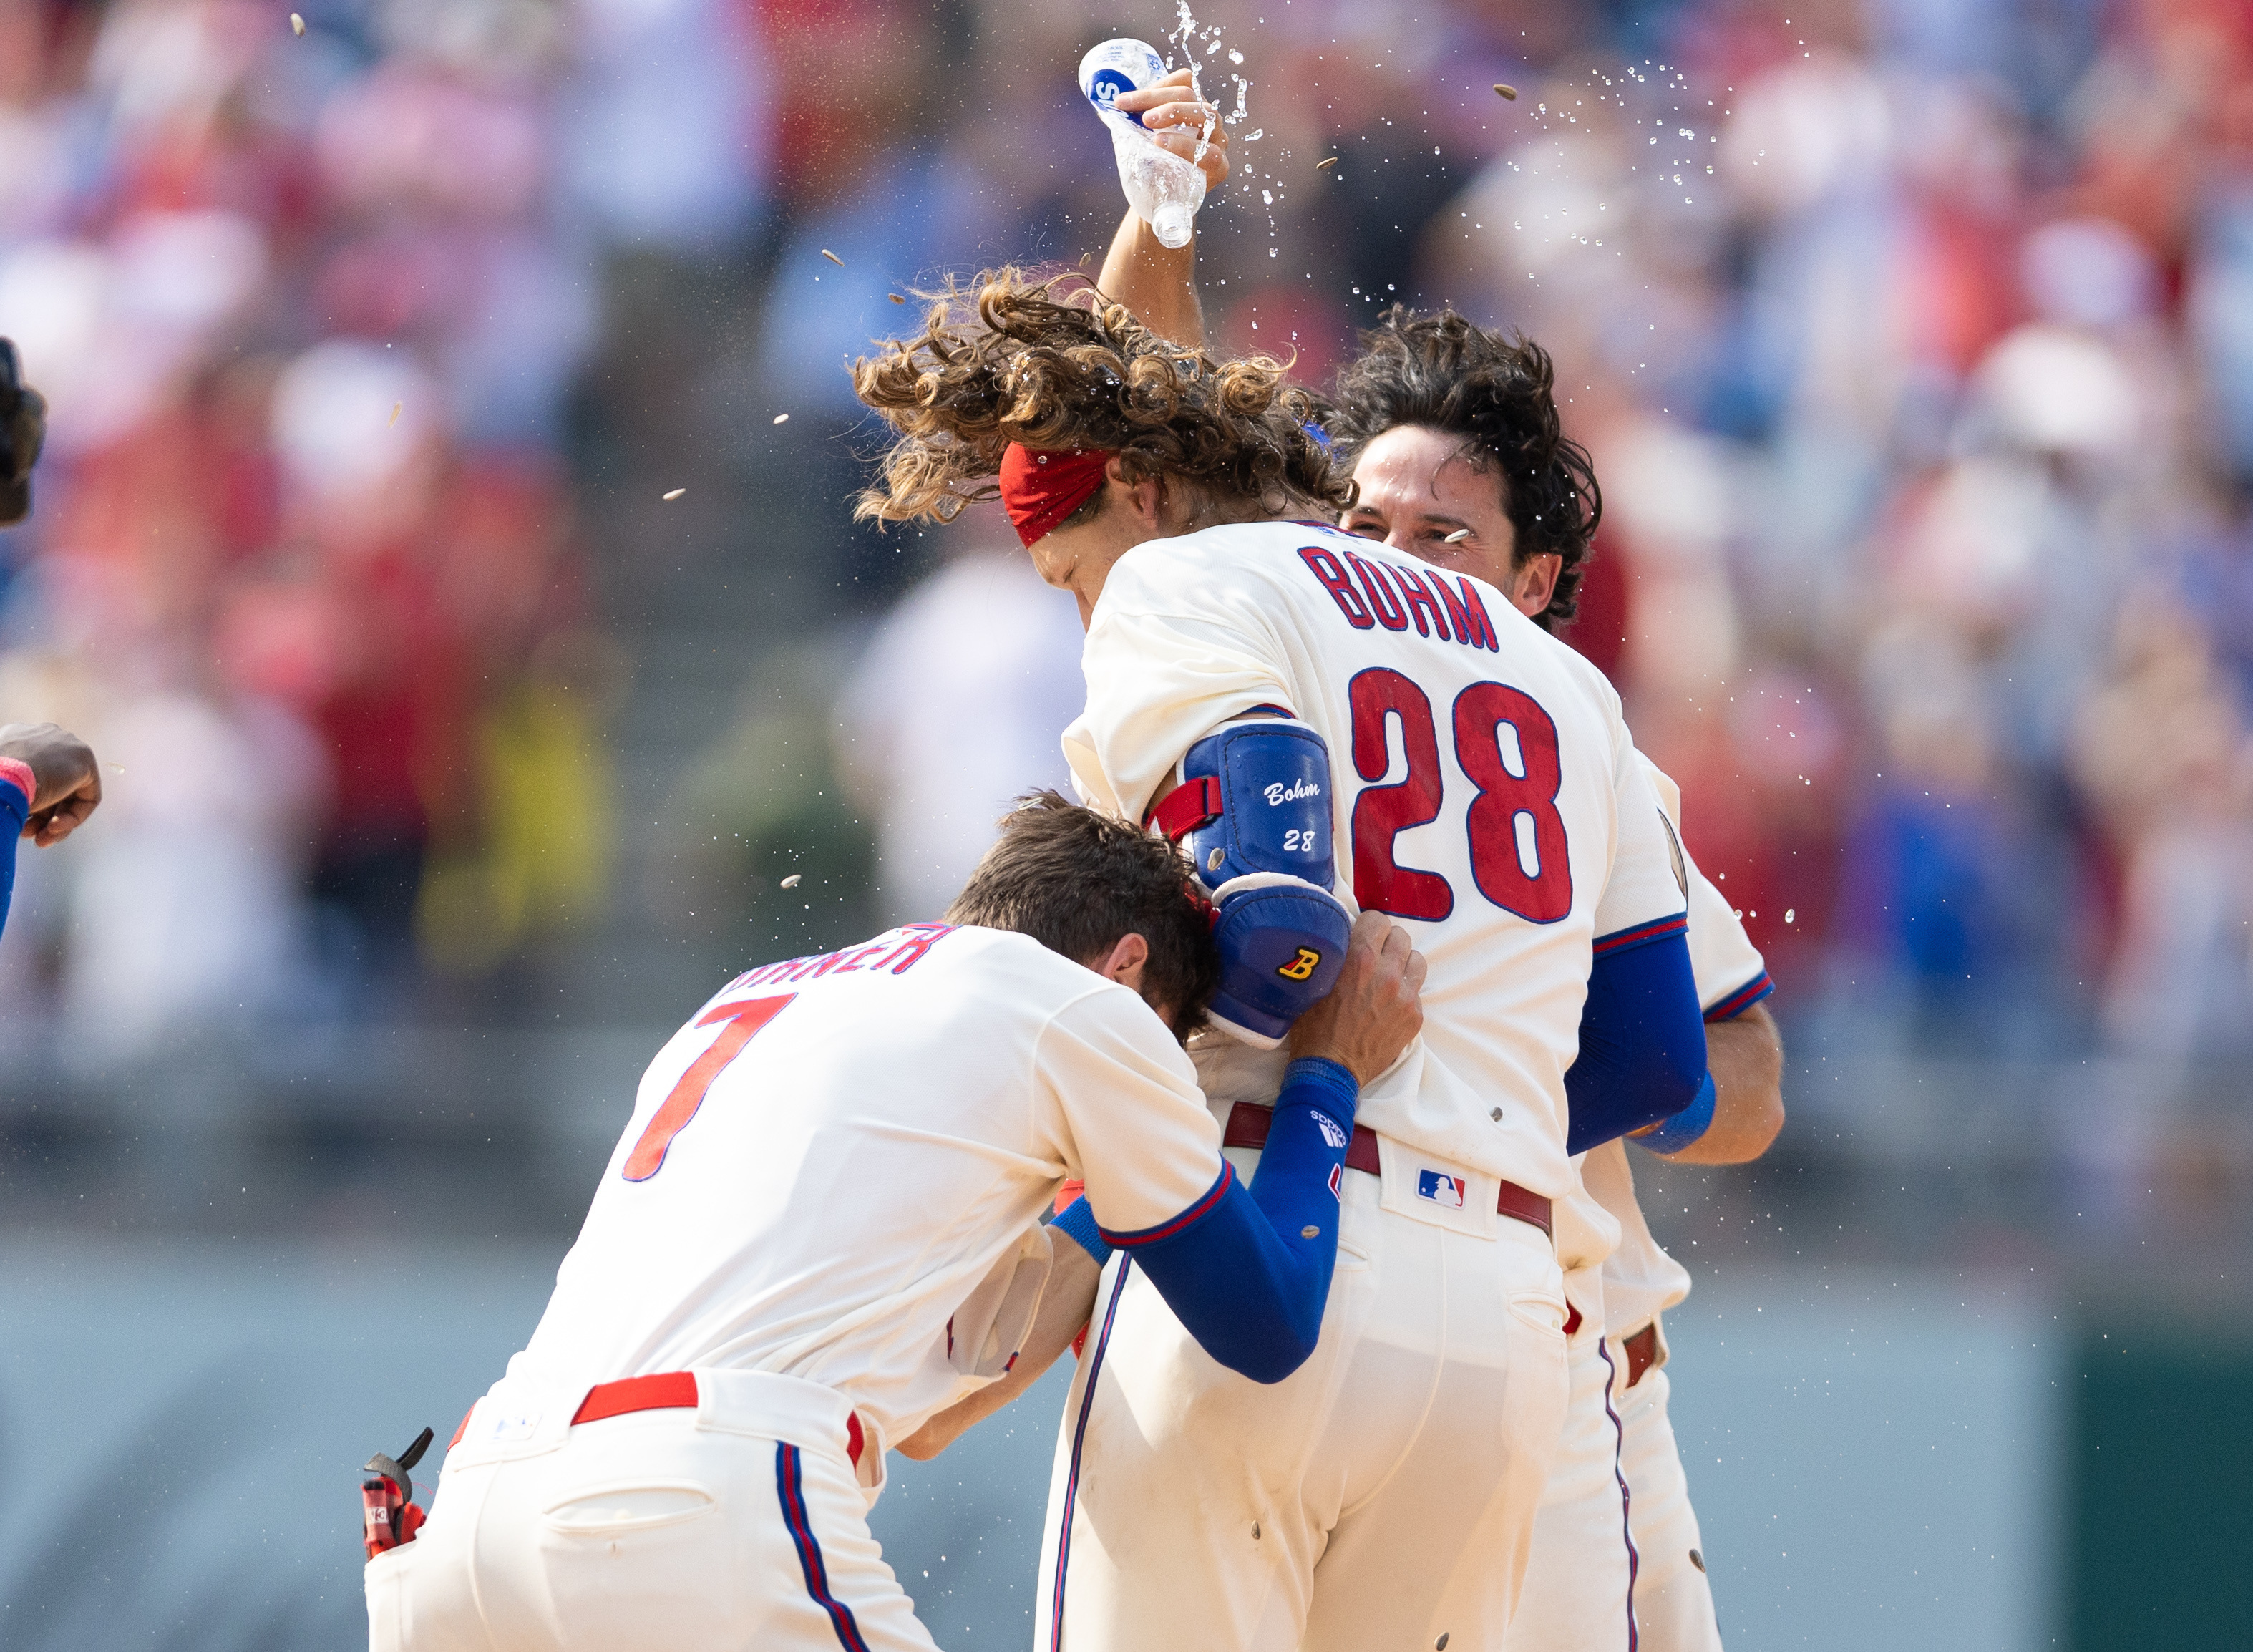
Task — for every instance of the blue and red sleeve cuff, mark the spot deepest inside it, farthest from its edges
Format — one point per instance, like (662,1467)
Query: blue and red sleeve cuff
(1202,1207)
(1641,934)
(1743,999)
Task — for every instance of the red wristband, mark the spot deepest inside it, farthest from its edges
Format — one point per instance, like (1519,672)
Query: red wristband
(14,771)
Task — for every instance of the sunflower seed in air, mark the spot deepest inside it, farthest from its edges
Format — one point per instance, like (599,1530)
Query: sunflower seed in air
(297,24)
(895,298)
(394,419)
(1457,537)
(833,258)
(791,882)
(782,418)
(1510,92)
(676,493)
(1324,166)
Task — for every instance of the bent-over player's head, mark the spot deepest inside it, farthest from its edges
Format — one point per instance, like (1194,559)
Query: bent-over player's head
(1104,894)
(1095,432)
(1449,426)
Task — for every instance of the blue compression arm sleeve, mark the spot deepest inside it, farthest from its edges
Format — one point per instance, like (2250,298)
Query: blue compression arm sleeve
(15,808)
(1643,1043)
(1249,1271)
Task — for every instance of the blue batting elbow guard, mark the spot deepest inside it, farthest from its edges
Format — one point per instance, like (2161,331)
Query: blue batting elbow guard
(1253,813)
(1693,1121)
(1273,810)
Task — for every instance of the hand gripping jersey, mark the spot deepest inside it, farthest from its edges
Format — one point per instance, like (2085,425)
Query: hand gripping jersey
(803,1190)
(1487,793)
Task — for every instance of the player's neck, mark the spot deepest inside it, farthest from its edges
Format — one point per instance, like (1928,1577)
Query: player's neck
(1080,559)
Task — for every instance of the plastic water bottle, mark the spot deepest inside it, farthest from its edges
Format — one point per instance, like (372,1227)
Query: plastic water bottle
(1161,186)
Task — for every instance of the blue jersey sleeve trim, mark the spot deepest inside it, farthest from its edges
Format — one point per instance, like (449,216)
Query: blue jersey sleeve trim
(1206,1204)
(1744,998)
(1641,934)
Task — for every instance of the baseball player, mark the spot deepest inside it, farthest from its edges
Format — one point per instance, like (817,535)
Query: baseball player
(1263,689)
(1417,408)
(49,783)
(1617,1560)
(820,1229)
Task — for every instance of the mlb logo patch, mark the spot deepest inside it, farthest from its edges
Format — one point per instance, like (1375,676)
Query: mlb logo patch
(1440,1188)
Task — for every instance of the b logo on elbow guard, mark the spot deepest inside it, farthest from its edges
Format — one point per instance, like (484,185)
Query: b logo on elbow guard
(1300,968)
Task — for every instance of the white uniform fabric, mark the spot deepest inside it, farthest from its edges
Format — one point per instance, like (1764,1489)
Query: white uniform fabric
(739,1524)
(1487,793)
(876,1151)
(1192,632)
(1359,1502)
(825,1205)
(1611,1564)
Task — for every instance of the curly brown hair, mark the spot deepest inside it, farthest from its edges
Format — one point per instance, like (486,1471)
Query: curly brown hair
(1498,392)
(1054,363)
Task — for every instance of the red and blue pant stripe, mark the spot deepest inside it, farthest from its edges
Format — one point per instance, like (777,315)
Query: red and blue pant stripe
(789,1489)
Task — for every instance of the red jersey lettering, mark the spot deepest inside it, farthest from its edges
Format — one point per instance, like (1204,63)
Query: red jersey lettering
(1335,581)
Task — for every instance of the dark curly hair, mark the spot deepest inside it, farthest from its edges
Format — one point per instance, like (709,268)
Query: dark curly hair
(1498,393)
(1078,881)
(1054,363)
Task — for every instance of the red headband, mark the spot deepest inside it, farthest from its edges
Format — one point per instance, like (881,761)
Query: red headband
(1040,490)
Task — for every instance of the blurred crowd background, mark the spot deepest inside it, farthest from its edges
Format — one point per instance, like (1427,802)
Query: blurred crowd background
(1913,341)
(450,761)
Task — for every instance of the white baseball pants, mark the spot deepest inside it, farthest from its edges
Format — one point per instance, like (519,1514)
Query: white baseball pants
(738,1524)
(1611,1568)
(1673,1599)
(1382,1495)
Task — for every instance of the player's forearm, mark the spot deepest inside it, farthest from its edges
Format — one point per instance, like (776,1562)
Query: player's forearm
(1745,1057)
(1066,1301)
(1156,283)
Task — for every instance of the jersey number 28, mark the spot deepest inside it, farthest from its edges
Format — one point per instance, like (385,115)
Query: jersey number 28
(1513,821)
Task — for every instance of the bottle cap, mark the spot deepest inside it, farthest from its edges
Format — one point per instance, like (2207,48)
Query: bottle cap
(1115,66)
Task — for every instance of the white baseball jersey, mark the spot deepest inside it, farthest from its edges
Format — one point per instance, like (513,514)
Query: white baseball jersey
(1485,790)
(1641,1281)
(837,1153)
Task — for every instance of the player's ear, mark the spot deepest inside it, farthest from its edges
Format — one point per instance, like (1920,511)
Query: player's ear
(1533,582)
(1144,500)
(1125,960)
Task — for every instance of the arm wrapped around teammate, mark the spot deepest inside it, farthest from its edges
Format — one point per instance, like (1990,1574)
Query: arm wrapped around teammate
(1643,1043)
(1248,1272)
(1253,813)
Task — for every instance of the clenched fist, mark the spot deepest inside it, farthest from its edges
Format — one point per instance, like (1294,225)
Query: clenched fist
(68,779)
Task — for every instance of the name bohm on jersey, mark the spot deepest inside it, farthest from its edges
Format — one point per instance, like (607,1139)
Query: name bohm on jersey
(1371,594)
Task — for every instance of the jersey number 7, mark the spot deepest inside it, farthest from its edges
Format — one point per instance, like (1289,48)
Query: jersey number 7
(744,1018)
(1511,820)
